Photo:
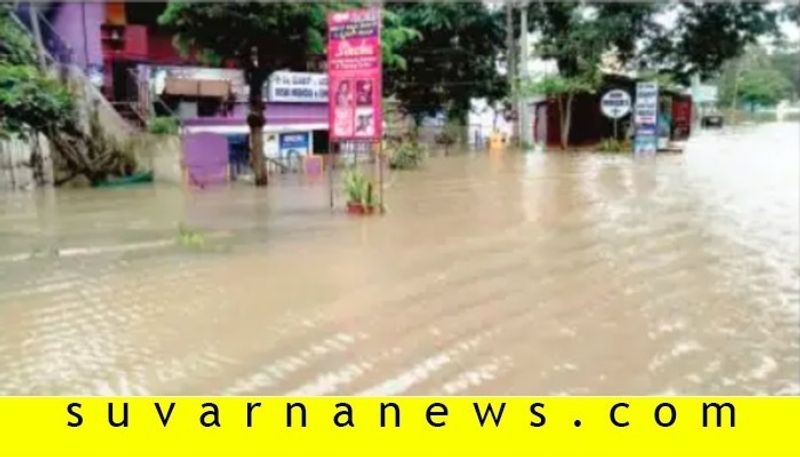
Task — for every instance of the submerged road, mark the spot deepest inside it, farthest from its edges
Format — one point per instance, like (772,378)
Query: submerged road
(490,274)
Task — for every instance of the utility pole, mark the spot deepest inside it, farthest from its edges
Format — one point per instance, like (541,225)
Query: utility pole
(511,57)
(525,132)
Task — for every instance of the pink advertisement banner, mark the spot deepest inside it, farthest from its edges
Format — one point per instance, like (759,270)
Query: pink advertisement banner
(354,75)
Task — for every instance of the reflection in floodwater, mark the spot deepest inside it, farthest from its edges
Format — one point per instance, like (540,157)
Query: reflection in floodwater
(490,274)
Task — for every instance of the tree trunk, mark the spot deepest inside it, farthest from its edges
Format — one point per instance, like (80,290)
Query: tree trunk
(256,121)
(566,119)
(735,101)
(417,126)
(511,63)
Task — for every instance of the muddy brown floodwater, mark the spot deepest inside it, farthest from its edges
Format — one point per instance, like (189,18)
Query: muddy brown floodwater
(491,274)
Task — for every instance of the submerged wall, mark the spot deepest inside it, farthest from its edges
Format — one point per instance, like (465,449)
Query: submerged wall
(18,169)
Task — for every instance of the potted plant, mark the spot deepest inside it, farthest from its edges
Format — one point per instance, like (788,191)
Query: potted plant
(360,196)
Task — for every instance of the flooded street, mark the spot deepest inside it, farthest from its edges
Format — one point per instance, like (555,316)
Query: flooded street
(490,274)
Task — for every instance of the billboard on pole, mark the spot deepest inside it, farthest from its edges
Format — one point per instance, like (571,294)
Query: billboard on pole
(354,75)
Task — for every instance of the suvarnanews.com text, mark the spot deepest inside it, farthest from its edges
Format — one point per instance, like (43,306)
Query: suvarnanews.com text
(384,414)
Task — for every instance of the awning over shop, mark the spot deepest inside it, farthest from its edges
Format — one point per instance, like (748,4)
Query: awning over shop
(185,87)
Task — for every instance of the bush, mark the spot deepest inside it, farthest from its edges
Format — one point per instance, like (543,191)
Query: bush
(164,125)
(614,145)
(406,155)
(791,117)
(359,188)
(445,139)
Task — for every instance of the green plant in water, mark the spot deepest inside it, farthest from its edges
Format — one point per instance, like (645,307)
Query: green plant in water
(614,145)
(163,125)
(354,185)
(368,199)
(358,188)
(406,156)
(190,238)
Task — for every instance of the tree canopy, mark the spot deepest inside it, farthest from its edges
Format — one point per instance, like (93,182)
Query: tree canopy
(754,79)
(787,62)
(452,59)
(262,37)
(707,34)
(702,36)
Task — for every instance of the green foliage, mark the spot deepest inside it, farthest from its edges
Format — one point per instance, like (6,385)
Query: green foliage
(406,155)
(787,62)
(358,188)
(30,101)
(447,137)
(556,85)
(763,87)
(261,37)
(451,60)
(754,80)
(16,47)
(707,34)
(190,238)
(280,35)
(614,145)
(577,34)
(163,125)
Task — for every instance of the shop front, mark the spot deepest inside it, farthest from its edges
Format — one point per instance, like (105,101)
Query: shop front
(296,123)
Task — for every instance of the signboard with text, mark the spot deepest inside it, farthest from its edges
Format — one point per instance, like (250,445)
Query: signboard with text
(295,143)
(354,75)
(295,87)
(615,104)
(645,117)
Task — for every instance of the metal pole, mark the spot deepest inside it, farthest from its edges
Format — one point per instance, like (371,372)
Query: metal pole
(511,56)
(380,173)
(330,173)
(524,129)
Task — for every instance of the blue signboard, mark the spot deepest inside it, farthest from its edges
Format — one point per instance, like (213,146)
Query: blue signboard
(645,118)
(295,143)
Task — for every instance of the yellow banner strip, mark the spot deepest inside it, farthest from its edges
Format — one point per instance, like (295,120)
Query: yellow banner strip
(399,426)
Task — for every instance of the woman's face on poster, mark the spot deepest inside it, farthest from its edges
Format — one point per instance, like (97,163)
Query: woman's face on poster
(342,93)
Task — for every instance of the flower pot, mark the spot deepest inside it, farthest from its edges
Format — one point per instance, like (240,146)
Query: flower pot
(355,208)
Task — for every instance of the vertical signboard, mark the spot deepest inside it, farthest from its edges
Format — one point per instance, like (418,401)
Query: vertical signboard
(646,117)
(354,75)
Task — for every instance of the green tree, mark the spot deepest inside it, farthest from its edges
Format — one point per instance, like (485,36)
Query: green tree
(753,79)
(30,101)
(706,35)
(452,60)
(262,37)
(787,62)
(763,86)
(577,39)
(579,34)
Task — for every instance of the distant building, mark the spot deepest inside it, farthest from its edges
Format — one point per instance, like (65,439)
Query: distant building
(131,58)
(589,126)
